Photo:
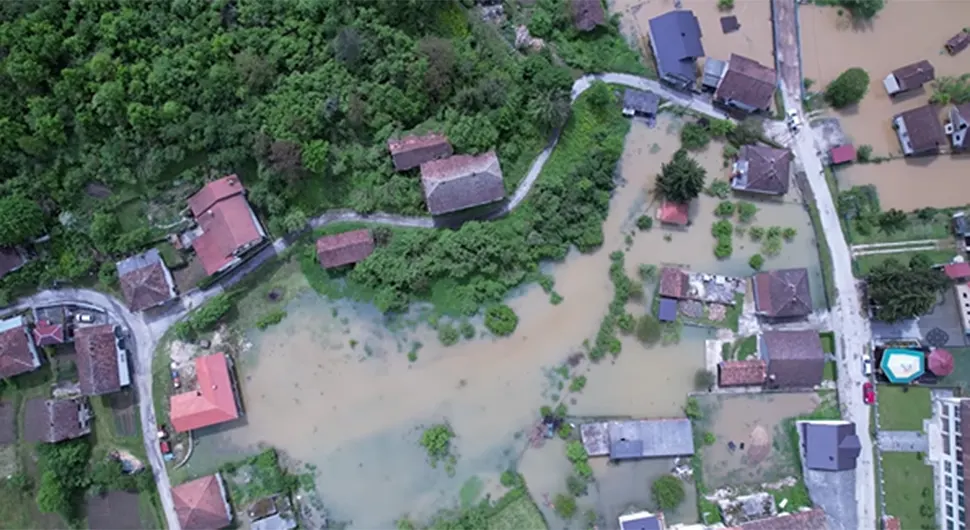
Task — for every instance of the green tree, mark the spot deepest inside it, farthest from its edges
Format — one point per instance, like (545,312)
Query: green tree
(864,153)
(900,292)
(746,211)
(565,506)
(704,379)
(893,220)
(724,209)
(648,330)
(682,179)
(436,440)
(863,9)
(668,492)
(694,136)
(756,262)
(847,89)
(501,320)
(315,156)
(600,95)
(20,219)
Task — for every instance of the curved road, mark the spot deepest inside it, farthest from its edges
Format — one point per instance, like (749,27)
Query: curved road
(145,331)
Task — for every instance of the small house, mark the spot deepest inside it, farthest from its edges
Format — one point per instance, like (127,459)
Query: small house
(674,283)
(674,213)
(588,14)
(18,353)
(794,359)
(919,131)
(642,521)
(842,154)
(747,85)
(145,280)
(640,103)
(713,72)
(750,372)
(212,403)
(782,293)
(47,333)
(11,259)
(56,420)
(814,519)
(412,151)
(461,182)
(650,439)
(909,77)
(102,363)
(958,42)
(202,504)
(957,126)
(762,169)
(338,250)
(830,445)
(228,227)
(675,38)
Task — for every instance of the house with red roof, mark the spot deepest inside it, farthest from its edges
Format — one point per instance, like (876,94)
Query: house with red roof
(102,364)
(214,400)
(18,353)
(202,504)
(411,151)
(957,271)
(461,182)
(337,250)
(673,213)
(47,333)
(842,154)
(227,225)
(750,372)
(145,280)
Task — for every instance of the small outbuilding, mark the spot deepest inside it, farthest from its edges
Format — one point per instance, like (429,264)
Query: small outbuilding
(640,103)
(713,72)
(940,362)
(842,154)
(650,439)
(958,42)
(667,310)
(411,151)
(346,248)
(674,283)
(202,504)
(674,213)
(47,333)
(750,372)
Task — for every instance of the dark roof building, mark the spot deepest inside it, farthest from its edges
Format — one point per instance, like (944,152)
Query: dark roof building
(642,521)
(909,77)
(919,131)
(959,125)
(747,85)
(102,366)
(673,283)
(650,438)
(228,225)
(11,259)
(782,293)
(201,504)
(412,151)
(830,445)
(958,42)
(675,38)
(842,154)
(794,358)
(813,519)
(56,420)
(345,248)
(750,372)
(47,333)
(762,169)
(667,310)
(462,182)
(145,280)
(18,354)
(640,103)
(587,14)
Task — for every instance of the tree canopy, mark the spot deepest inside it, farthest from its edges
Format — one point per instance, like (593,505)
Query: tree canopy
(682,179)
(847,89)
(899,291)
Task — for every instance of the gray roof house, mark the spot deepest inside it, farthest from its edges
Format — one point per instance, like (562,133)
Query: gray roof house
(795,358)
(626,440)
(640,103)
(958,125)
(830,445)
(56,420)
(919,131)
(642,521)
(461,182)
(762,169)
(675,38)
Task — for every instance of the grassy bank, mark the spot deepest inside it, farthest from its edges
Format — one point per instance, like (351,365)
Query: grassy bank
(824,254)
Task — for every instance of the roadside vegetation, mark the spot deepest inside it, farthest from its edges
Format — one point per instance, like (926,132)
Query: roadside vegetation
(859,9)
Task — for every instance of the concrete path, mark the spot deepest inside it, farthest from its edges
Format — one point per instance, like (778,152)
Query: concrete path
(897,250)
(902,441)
(851,326)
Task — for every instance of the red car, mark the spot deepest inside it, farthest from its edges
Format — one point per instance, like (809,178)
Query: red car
(868,394)
(163,446)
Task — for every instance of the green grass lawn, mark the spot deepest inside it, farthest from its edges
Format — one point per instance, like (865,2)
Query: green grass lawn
(520,514)
(830,371)
(828,341)
(937,228)
(748,347)
(903,411)
(909,484)
(863,264)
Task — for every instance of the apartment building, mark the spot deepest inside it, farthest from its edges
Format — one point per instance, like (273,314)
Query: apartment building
(954,462)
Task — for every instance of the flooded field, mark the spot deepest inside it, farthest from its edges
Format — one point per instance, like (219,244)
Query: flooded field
(753,40)
(831,43)
(754,420)
(332,386)
(913,183)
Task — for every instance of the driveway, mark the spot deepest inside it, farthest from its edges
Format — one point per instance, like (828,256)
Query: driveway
(902,441)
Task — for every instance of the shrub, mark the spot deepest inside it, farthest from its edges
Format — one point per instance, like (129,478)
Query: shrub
(565,506)
(271,319)
(501,320)
(863,153)
(555,298)
(694,136)
(436,440)
(704,379)
(626,323)
(668,492)
(724,209)
(746,211)
(847,89)
(771,246)
(467,329)
(722,228)
(448,334)
(565,431)
(725,5)
(724,248)
(575,451)
(644,222)
(756,262)
(709,438)
(648,330)
(577,384)
(789,233)
(720,128)
(693,409)
(719,188)
(547,282)
(774,231)
(756,233)
(576,486)
(584,470)
(509,479)
(647,272)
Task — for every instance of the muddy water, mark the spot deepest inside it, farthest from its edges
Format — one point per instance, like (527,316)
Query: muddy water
(831,43)
(909,184)
(356,412)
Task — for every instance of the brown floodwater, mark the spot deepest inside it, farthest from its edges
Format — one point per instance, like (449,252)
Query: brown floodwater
(356,412)
(913,183)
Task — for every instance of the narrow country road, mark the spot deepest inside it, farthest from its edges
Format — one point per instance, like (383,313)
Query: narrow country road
(850,324)
(146,331)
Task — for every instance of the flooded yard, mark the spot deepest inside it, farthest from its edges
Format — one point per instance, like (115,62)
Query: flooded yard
(332,386)
(913,183)
(756,421)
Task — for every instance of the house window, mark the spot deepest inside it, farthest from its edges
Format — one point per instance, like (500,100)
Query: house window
(949,525)
(947,467)
(960,469)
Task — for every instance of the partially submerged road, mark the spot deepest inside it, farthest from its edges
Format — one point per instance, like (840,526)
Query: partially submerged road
(848,320)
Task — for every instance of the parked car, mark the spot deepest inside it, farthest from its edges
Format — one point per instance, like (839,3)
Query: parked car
(793,120)
(866,365)
(87,318)
(868,394)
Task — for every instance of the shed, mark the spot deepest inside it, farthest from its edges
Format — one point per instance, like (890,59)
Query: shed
(412,151)
(640,103)
(713,71)
(337,250)
(750,372)
(842,154)
(958,42)
(830,445)
(650,438)
(667,311)
(461,182)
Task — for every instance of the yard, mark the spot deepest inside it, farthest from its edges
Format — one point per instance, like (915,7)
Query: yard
(908,486)
(903,408)
(118,510)
(863,264)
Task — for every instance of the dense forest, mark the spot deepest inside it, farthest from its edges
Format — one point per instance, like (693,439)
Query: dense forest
(135,98)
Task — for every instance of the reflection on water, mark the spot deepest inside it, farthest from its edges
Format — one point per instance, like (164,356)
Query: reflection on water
(356,410)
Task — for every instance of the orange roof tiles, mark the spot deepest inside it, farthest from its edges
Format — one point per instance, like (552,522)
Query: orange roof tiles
(213,402)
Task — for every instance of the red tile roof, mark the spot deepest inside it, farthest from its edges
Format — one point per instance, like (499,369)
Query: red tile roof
(674,213)
(955,271)
(201,504)
(47,333)
(228,223)
(842,154)
(890,523)
(673,283)
(213,402)
(97,359)
(461,182)
(739,373)
(412,151)
(813,519)
(16,355)
(343,249)
(146,287)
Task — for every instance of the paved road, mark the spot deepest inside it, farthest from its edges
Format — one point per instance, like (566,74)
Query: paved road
(850,324)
